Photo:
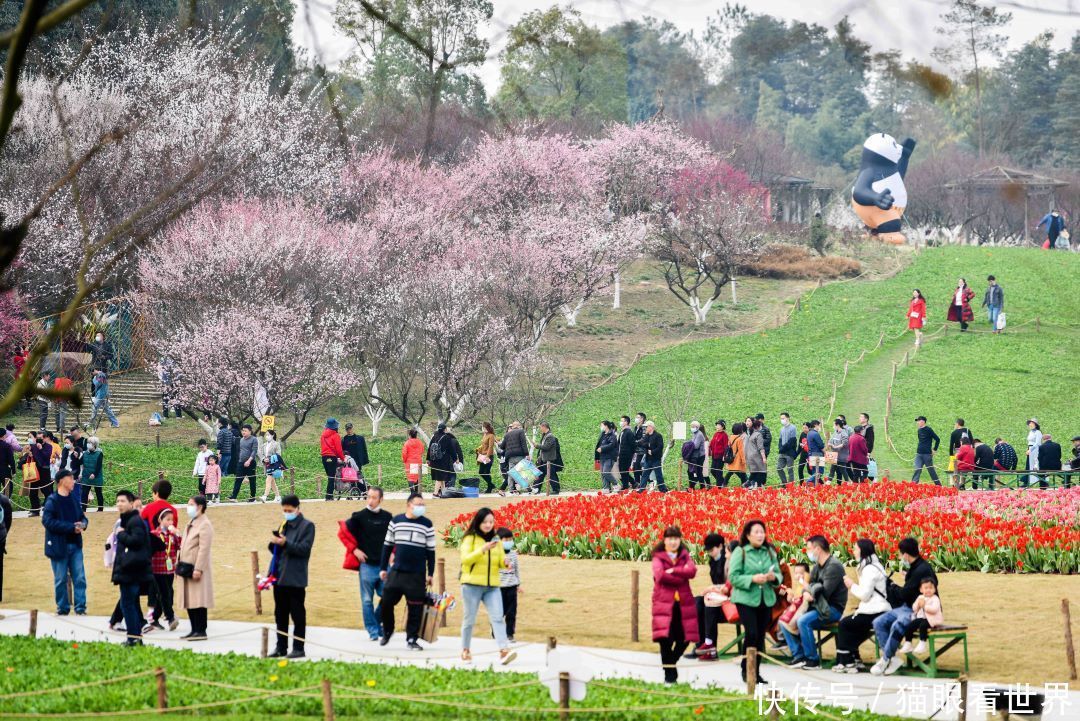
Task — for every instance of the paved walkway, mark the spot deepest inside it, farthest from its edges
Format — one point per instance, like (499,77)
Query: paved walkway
(899,695)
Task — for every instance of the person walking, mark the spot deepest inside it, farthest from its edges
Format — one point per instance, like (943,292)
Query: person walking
(165,550)
(916,315)
(551,461)
(994,302)
(871,592)
(627,448)
(444,457)
(93,474)
(482,559)
(674,611)
(766,434)
(45,383)
(131,567)
(333,457)
(802,459)
(827,595)
(412,457)
(291,545)
(695,468)
(960,307)
(274,464)
(515,447)
(247,458)
(815,452)
(224,445)
(1054,225)
(485,456)
(651,446)
(757,462)
(410,540)
(891,626)
(607,455)
(65,522)
(1034,440)
(735,456)
(754,573)
(718,446)
(925,448)
(367,531)
(36,461)
(787,450)
(868,433)
(838,444)
(858,457)
(639,447)
(99,398)
(6,520)
(194,568)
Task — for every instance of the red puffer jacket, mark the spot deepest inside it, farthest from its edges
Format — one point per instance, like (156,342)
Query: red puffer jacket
(965,459)
(667,586)
(351,562)
(330,444)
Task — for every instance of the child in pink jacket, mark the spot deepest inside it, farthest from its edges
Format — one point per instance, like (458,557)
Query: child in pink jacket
(926,615)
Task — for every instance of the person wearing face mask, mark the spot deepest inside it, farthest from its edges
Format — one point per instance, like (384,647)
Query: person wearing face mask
(709,617)
(509,581)
(194,567)
(363,535)
(627,446)
(674,613)
(292,542)
(482,558)
(131,567)
(101,353)
(891,626)
(606,454)
(827,595)
(695,466)
(410,539)
(787,451)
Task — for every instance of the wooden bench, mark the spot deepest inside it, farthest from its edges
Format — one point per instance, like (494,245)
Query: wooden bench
(734,647)
(951,635)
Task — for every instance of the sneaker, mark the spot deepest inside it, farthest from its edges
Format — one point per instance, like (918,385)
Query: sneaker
(841,667)
(196,636)
(920,647)
(692,653)
(906,648)
(277,653)
(384,640)
(709,656)
(879,668)
(797,663)
(375,638)
(509,639)
(812,665)
(705,649)
(414,646)
(506,656)
(133,642)
(173,624)
(80,613)
(297,653)
(894,665)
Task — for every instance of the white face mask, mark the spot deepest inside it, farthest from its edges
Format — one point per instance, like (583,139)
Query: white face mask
(192,511)
(419,511)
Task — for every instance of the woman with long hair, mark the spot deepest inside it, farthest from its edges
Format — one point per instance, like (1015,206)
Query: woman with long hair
(485,455)
(718,446)
(737,466)
(754,450)
(960,306)
(755,576)
(674,611)
(482,557)
(870,590)
(274,464)
(917,315)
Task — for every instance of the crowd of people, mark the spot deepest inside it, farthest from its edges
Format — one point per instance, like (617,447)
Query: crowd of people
(750,584)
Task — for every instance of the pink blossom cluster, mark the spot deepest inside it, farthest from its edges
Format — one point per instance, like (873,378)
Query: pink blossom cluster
(1060,506)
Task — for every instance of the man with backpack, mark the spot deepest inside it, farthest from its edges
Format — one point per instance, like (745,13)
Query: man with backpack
(551,461)
(444,458)
(891,626)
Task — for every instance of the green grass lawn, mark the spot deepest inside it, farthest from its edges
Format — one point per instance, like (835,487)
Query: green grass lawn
(386,692)
(996,382)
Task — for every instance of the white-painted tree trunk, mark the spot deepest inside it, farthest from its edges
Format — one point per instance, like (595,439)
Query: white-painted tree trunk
(571,314)
(699,309)
(375,413)
(734,296)
(616,301)
(423,434)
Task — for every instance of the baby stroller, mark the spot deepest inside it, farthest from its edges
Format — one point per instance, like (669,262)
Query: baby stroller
(349,481)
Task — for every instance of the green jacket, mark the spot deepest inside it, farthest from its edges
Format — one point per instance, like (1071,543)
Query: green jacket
(92,466)
(746,562)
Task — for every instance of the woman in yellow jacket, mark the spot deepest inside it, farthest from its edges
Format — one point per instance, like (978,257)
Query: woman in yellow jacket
(738,450)
(482,557)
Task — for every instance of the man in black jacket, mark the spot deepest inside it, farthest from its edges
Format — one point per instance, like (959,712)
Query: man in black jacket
(891,626)
(924,451)
(355,447)
(639,447)
(368,527)
(826,594)
(627,443)
(651,446)
(131,567)
(984,464)
(868,432)
(224,447)
(709,616)
(1049,459)
(960,432)
(514,447)
(291,544)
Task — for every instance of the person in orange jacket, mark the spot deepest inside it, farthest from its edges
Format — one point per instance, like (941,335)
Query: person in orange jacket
(412,455)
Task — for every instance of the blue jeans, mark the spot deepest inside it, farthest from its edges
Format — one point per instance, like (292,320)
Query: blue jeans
(491,597)
(992,312)
(129,604)
(370,584)
(103,404)
(71,563)
(652,469)
(890,628)
(807,639)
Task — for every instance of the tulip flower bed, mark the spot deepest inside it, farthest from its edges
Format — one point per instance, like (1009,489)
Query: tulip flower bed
(956,531)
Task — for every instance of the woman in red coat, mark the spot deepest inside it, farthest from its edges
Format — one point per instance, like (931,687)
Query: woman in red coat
(412,455)
(916,315)
(717,448)
(960,305)
(674,613)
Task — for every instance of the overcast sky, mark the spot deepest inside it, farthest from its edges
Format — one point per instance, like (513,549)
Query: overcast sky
(886,24)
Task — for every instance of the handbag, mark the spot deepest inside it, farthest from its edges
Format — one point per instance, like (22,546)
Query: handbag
(790,611)
(729,455)
(458,466)
(184,569)
(832,457)
(952,465)
(596,465)
(482,459)
(871,469)
(712,599)
(731,611)
(1001,321)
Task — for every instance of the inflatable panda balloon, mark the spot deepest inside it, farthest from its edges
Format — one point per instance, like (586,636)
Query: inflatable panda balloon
(879,196)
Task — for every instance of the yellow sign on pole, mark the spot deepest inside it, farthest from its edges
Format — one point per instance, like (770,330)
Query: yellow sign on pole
(268,423)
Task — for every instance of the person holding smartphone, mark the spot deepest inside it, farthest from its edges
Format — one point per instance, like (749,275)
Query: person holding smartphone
(292,543)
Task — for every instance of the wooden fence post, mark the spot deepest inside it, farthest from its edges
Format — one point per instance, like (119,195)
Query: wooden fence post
(141,487)
(264,647)
(33,623)
(552,643)
(798,304)
(564,696)
(158,439)
(1070,653)
(678,474)
(751,670)
(292,480)
(635,583)
(440,585)
(255,582)
(162,691)
(327,701)
(378,475)
(962,714)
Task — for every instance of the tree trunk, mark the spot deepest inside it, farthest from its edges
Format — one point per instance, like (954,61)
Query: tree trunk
(616,301)
(375,413)
(700,309)
(422,433)
(571,314)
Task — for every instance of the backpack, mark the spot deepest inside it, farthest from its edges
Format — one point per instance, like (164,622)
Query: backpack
(893,592)
(687,450)
(435,451)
